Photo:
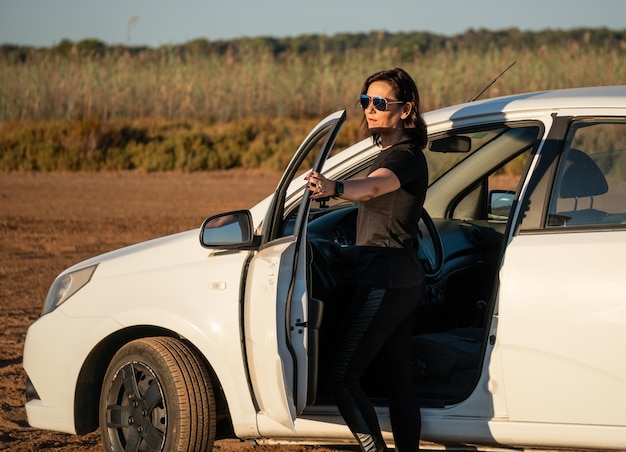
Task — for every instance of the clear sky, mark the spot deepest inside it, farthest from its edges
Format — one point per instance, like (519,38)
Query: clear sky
(44,23)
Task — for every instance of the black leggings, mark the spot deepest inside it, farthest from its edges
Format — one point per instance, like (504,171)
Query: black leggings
(379,324)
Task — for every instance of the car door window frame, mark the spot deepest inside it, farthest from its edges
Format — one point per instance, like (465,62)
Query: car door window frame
(535,205)
(581,156)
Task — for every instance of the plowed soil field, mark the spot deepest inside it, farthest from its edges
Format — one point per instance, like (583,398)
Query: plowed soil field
(49,221)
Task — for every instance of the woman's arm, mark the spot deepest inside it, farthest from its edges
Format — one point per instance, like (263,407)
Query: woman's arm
(380,182)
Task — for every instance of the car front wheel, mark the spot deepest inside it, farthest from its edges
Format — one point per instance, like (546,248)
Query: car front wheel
(157,396)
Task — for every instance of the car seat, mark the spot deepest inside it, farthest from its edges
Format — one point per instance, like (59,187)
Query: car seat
(582,179)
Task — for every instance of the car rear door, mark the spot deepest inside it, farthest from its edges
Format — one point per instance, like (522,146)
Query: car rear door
(275,309)
(562,297)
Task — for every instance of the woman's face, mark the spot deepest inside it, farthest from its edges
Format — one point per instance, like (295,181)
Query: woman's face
(390,120)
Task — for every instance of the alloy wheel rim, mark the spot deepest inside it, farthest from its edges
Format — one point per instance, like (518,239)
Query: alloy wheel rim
(136,413)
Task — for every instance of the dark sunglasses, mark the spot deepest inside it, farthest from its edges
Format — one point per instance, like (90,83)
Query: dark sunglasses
(380,103)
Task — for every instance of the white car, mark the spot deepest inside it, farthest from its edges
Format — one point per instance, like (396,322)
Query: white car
(225,331)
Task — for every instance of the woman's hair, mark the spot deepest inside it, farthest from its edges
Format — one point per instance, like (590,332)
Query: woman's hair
(405,90)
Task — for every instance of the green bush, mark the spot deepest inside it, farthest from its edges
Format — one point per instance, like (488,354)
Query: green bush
(150,145)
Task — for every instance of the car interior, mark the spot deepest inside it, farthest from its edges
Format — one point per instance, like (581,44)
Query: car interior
(460,254)
(449,325)
(581,179)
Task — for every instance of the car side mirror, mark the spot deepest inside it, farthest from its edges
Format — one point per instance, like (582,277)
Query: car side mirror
(230,230)
(500,204)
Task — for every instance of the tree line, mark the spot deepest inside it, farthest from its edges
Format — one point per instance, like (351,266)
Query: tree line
(408,45)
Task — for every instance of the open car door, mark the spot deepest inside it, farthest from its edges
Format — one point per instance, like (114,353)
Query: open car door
(276,300)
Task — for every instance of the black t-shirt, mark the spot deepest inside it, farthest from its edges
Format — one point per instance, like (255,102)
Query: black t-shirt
(387,226)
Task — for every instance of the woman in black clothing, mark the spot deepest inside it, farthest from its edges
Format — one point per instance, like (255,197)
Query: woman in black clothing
(391,279)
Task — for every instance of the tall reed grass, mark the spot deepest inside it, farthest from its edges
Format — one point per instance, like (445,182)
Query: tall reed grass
(252,82)
(74,109)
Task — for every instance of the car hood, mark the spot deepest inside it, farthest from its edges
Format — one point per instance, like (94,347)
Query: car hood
(170,250)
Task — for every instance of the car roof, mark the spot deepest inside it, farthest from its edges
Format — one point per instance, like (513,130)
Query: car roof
(589,97)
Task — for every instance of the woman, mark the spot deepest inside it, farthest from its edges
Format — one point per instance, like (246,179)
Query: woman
(391,279)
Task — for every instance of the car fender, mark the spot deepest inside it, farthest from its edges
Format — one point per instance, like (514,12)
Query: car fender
(198,301)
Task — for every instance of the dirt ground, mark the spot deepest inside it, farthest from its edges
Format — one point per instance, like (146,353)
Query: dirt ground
(49,221)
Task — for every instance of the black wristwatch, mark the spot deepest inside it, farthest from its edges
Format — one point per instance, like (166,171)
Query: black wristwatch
(338,188)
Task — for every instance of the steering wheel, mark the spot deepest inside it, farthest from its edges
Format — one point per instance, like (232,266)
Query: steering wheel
(335,236)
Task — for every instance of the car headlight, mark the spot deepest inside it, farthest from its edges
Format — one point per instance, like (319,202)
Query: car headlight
(65,286)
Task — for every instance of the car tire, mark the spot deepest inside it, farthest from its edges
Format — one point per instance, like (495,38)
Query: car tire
(157,396)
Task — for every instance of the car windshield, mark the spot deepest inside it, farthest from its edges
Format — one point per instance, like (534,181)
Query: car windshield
(441,161)
(444,152)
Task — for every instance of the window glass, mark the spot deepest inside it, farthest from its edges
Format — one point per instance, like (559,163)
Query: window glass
(481,184)
(440,162)
(502,185)
(590,188)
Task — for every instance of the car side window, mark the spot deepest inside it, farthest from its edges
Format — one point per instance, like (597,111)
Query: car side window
(491,172)
(590,187)
(502,185)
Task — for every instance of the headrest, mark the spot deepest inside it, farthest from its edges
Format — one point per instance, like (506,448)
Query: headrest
(582,177)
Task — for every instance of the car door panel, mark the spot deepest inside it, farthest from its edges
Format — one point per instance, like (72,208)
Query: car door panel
(557,332)
(264,311)
(276,296)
